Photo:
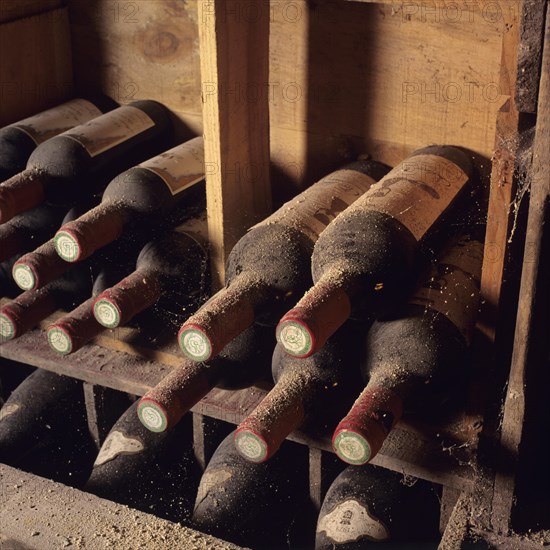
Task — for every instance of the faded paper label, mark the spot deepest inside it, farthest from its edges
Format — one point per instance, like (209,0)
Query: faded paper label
(312,210)
(109,130)
(117,444)
(453,286)
(210,480)
(8,410)
(58,119)
(180,167)
(350,521)
(416,192)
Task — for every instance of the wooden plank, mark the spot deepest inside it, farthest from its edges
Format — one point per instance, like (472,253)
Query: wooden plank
(408,449)
(103,408)
(36,65)
(449,499)
(140,49)
(10,10)
(234,63)
(41,514)
(382,84)
(525,341)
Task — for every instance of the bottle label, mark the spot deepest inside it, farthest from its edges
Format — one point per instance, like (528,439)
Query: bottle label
(453,286)
(312,210)
(210,480)
(117,444)
(180,167)
(417,192)
(111,129)
(58,119)
(350,521)
(8,410)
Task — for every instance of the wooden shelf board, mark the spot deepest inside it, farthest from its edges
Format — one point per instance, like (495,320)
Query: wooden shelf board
(409,449)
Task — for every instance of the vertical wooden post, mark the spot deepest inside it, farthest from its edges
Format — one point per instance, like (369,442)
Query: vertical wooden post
(515,401)
(103,407)
(234,40)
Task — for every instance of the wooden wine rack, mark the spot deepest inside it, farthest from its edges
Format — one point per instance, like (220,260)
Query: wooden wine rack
(288,91)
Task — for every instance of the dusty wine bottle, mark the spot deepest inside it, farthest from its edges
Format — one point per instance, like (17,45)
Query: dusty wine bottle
(246,503)
(77,163)
(270,266)
(173,265)
(155,473)
(315,388)
(157,194)
(414,353)
(32,306)
(241,362)
(41,415)
(78,327)
(367,505)
(366,258)
(41,266)
(20,139)
(29,229)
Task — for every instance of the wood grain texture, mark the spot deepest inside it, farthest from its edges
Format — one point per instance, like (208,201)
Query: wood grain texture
(351,77)
(35,66)
(526,342)
(140,49)
(234,57)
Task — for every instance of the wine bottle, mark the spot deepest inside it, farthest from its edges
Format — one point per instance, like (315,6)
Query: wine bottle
(43,428)
(311,389)
(366,258)
(80,161)
(29,229)
(243,361)
(155,473)
(173,266)
(270,265)
(20,139)
(41,266)
(368,505)
(249,504)
(413,355)
(32,306)
(157,194)
(78,327)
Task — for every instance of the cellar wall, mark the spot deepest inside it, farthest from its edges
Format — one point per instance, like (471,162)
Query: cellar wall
(344,77)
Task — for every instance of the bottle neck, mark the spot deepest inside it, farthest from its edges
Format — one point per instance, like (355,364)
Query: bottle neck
(360,435)
(70,332)
(324,308)
(260,435)
(21,193)
(226,315)
(162,407)
(122,302)
(38,268)
(25,312)
(79,239)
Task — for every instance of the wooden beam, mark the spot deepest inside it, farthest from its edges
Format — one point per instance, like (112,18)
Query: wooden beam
(234,71)
(515,401)
(36,64)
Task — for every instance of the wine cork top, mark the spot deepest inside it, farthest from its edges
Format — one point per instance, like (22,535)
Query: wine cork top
(107,313)
(24,276)
(152,416)
(59,340)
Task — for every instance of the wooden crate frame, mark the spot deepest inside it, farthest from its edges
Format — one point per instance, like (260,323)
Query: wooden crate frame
(237,134)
